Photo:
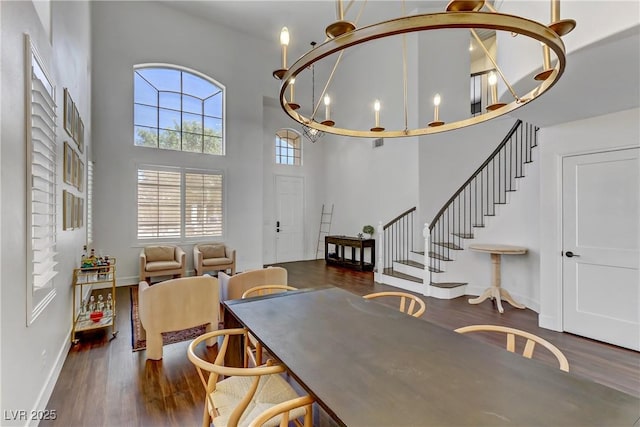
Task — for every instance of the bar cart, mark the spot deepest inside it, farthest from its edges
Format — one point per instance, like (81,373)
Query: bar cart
(95,308)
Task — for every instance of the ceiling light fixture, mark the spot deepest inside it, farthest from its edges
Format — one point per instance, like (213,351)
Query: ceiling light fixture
(312,133)
(460,14)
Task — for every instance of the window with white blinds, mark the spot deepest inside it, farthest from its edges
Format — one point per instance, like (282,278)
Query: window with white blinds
(178,203)
(41,182)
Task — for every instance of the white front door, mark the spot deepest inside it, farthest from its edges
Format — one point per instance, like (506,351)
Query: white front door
(601,284)
(289,218)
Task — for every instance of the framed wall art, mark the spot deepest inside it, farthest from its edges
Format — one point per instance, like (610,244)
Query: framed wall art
(68,112)
(79,212)
(80,136)
(80,175)
(68,164)
(74,170)
(75,122)
(67,210)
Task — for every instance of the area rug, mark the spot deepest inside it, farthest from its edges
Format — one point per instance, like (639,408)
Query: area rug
(138,335)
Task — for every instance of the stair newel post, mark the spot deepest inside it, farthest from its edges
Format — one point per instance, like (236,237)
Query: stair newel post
(380,243)
(426,278)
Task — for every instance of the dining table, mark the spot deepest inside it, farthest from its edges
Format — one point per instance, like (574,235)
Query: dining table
(368,364)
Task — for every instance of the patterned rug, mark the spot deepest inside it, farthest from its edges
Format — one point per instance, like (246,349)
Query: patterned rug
(138,335)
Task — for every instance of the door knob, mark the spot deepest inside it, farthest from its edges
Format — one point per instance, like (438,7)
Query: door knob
(570,254)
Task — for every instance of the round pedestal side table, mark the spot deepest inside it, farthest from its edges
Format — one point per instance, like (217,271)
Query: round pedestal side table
(496,292)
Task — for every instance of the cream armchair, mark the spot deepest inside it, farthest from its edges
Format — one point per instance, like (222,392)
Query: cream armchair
(213,257)
(177,304)
(162,261)
(232,287)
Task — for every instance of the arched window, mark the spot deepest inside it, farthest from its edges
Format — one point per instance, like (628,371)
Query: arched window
(177,109)
(288,147)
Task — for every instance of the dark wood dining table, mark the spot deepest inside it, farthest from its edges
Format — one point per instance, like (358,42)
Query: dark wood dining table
(368,365)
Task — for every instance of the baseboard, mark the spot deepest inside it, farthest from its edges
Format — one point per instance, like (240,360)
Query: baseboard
(549,322)
(130,280)
(52,379)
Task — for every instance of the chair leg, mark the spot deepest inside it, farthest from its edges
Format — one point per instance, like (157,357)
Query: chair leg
(154,345)
(206,417)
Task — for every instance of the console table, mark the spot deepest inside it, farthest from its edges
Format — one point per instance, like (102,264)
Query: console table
(354,243)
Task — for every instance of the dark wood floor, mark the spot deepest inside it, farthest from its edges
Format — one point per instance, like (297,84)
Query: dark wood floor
(104,383)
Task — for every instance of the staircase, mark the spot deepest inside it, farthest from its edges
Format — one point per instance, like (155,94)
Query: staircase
(454,224)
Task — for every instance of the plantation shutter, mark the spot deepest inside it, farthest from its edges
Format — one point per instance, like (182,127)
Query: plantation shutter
(203,204)
(41,186)
(159,194)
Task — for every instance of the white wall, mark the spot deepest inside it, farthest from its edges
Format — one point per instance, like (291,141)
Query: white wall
(607,132)
(32,356)
(130,33)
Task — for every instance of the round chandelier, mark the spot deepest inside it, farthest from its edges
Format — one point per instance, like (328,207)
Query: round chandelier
(460,14)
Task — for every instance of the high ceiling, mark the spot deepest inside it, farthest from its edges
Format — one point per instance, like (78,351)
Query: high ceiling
(600,78)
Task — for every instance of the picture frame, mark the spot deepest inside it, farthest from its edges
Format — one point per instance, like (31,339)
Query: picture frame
(67,210)
(80,175)
(74,125)
(68,164)
(74,172)
(80,138)
(80,212)
(68,112)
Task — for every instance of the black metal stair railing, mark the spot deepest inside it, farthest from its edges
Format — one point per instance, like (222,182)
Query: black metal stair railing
(398,238)
(479,195)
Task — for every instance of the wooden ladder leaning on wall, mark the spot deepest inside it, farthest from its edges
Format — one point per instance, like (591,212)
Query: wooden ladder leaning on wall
(325,228)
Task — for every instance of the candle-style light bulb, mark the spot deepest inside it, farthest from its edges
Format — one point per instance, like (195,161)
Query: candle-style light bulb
(284,41)
(493,80)
(327,102)
(376,109)
(436,105)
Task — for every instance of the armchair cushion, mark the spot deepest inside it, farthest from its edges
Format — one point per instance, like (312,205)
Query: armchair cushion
(216,261)
(160,253)
(213,251)
(162,265)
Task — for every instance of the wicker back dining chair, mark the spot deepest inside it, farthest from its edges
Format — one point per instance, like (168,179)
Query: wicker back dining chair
(409,303)
(236,396)
(285,409)
(531,341)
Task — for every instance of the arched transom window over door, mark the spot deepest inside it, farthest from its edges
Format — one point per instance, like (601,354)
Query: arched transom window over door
(288,147)
(178,109)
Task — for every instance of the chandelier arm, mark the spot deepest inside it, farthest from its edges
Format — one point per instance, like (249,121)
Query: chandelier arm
(335,66)
(404,78)
(495,64)
(346,9)
(364,3)
(490,7)
(405,95)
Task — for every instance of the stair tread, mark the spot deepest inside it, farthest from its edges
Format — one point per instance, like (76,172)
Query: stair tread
(447,285)
(448,245)
(391,272)
(410,263)
(464,235)
(439,257)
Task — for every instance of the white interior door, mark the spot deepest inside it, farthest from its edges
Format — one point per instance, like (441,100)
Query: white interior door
(289,218)
(601,296)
